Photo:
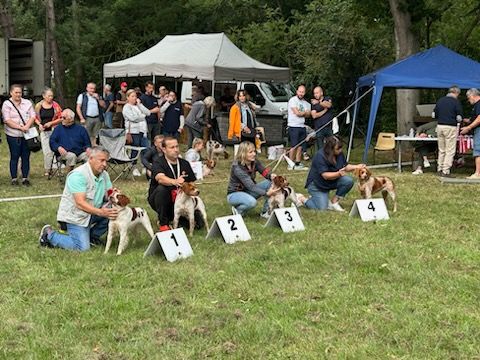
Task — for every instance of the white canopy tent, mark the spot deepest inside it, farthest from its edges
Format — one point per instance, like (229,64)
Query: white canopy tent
(196,56)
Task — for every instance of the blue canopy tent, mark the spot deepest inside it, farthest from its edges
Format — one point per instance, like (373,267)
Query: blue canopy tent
(438,67)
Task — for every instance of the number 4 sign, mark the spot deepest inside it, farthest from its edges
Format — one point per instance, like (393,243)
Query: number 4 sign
(287,218)
(173,243)
(370,209)
(230,228)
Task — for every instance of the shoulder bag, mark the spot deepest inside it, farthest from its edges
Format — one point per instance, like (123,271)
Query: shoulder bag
(31,136)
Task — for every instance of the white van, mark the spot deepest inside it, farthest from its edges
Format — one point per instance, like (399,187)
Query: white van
(271,97)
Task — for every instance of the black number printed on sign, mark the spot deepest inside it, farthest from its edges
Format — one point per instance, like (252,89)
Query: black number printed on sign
(232,225)
(174,239)
(370,206)
(289,216)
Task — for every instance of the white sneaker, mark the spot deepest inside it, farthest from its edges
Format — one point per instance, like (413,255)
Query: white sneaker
(291,167)
(136,172)
(335,207)
(265,215)
(301,167)
(474,177)
(417,172)
(426,163)
(234,210)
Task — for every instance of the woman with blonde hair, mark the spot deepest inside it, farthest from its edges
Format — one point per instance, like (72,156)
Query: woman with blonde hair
(243,191)
(48,114)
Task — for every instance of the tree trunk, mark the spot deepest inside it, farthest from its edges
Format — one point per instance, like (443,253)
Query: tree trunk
(48,52)
(6,20)
(406,43)
(76,38)
(56,59)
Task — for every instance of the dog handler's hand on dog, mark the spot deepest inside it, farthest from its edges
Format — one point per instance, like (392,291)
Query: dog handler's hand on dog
(110,213)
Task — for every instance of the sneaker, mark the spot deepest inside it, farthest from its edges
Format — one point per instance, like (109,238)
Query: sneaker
(234,211)
(144,171)
(265,215)
(43,238)
(14,182)
(136,172)
(26,182)
(335,207)
(301,167)
(289,167)
(417,172)
(306,157)
(96,242)
(474,176)
(164,228)
(426,163)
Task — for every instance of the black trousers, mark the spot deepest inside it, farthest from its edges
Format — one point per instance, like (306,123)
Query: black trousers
(161,201)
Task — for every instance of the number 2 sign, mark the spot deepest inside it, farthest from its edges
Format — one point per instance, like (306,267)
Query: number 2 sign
(370,209)
(230,228)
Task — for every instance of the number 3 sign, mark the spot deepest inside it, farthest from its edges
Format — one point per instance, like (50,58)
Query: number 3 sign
(230,228)
(370,209)
(287,218)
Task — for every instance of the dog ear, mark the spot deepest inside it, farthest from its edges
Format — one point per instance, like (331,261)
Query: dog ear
(123,200)
(278,180)
(356,172)
(369,173)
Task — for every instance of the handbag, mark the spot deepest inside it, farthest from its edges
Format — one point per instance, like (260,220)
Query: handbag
(128,137)
(31,136)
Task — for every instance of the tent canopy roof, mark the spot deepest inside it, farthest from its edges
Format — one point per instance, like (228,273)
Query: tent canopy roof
(438,67)
(196,56)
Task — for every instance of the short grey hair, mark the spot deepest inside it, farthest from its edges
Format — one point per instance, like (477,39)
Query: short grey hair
(454,89)
(69,112)
(473,92)
(108,86)
(95,150)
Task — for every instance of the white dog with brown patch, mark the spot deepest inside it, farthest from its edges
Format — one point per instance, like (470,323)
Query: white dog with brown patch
(127,219)
(186,202)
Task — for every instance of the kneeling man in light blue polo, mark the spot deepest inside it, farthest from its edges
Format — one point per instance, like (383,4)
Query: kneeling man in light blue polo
(81,207)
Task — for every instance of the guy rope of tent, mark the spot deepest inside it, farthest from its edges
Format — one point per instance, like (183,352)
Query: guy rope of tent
(334,121)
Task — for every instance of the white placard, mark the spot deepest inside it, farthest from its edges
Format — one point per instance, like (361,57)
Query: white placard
(197,168)
(173,243)
(231,228)
(287,218)
(370,209)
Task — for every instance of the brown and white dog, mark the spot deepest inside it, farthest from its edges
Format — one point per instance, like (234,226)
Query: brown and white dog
(369,185)
(208,166)
(277,200)
(186,202)
(215,149)
(127,219)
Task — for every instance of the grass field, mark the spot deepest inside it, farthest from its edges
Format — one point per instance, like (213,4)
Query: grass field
(407,288)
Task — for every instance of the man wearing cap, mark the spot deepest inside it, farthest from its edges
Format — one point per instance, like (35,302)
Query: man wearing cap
(90,111)
(120,100)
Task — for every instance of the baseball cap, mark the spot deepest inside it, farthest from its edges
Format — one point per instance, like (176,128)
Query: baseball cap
(124,84)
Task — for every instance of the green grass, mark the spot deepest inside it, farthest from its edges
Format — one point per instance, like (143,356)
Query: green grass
(405,288)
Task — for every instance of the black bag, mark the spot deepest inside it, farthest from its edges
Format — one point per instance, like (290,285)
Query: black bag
(33,144)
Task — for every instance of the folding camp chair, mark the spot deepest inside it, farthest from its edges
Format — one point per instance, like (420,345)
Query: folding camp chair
(120,164)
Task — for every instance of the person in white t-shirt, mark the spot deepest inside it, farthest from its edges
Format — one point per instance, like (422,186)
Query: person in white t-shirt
(298,110)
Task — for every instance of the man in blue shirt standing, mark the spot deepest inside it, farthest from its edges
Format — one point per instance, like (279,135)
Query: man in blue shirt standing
(473,96)
(150,101)
(173,119)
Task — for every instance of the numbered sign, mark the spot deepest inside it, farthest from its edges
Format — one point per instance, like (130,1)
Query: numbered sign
(230,228)
(287,218)
(173,243)
(197,168)
(370,209)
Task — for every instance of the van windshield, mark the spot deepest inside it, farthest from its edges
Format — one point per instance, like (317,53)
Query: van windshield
(277,92)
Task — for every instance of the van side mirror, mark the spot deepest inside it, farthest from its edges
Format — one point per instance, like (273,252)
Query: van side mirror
(259,100)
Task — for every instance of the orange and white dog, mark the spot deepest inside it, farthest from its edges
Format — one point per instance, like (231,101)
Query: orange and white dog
(208,166)
(127,219)
(186,203)
(369,185)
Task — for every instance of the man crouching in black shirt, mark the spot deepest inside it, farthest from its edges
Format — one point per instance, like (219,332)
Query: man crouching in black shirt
(169,172)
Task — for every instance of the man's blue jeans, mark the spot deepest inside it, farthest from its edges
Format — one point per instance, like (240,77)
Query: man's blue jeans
(243,201)
(78,237)
(319,199)
(108,117)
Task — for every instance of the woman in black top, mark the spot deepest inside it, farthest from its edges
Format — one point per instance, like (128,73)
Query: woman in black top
(48,114)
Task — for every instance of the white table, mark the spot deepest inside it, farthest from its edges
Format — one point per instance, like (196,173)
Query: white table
(399,140)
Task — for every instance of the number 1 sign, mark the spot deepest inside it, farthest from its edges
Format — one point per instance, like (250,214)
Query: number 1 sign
(173,243)
(370,209)
(230,228)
